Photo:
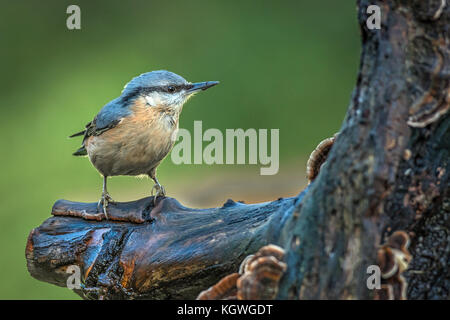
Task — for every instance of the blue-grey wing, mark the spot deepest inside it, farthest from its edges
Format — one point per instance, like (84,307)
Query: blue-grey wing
(108,117)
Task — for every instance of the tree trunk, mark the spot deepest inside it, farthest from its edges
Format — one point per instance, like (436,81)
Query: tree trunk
(388,170)
(389,167)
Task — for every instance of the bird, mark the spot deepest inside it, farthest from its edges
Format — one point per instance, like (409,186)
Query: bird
(132,134)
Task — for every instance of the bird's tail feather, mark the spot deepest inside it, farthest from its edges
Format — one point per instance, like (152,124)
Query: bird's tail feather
(80,152)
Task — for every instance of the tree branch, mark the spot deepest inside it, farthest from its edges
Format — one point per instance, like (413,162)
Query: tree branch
(173,252)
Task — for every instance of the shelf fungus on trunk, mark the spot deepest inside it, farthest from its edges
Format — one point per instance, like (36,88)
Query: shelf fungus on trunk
(225,289)
(393,259)
(429,54)
(262,273)
(258,278)
(318,157)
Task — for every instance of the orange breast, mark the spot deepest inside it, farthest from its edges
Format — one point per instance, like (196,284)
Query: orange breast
(135,146)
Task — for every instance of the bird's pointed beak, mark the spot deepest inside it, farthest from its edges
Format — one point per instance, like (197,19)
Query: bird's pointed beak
(202,86)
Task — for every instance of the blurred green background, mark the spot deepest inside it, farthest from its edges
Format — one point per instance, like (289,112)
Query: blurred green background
(282,64)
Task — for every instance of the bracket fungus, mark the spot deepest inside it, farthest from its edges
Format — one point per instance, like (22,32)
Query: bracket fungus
(434,99)
(258,278)
(318,157)
(393,259)
(225,289)
(262,273)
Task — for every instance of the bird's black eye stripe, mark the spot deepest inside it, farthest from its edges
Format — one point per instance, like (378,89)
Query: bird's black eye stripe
(167,88)
(176,88)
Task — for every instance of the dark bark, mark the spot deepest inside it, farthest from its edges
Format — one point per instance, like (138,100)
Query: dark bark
(388,170)
(382,174)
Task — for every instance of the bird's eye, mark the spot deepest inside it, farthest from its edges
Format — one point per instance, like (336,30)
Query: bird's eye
(171,89)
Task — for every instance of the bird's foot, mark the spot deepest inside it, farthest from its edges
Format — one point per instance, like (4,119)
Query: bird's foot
(160,192)
(102,204)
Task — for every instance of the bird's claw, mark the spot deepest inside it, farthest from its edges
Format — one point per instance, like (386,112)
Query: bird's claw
(102,204)
(160,192)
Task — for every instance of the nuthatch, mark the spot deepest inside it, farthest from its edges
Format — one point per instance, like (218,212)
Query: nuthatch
(133,133)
